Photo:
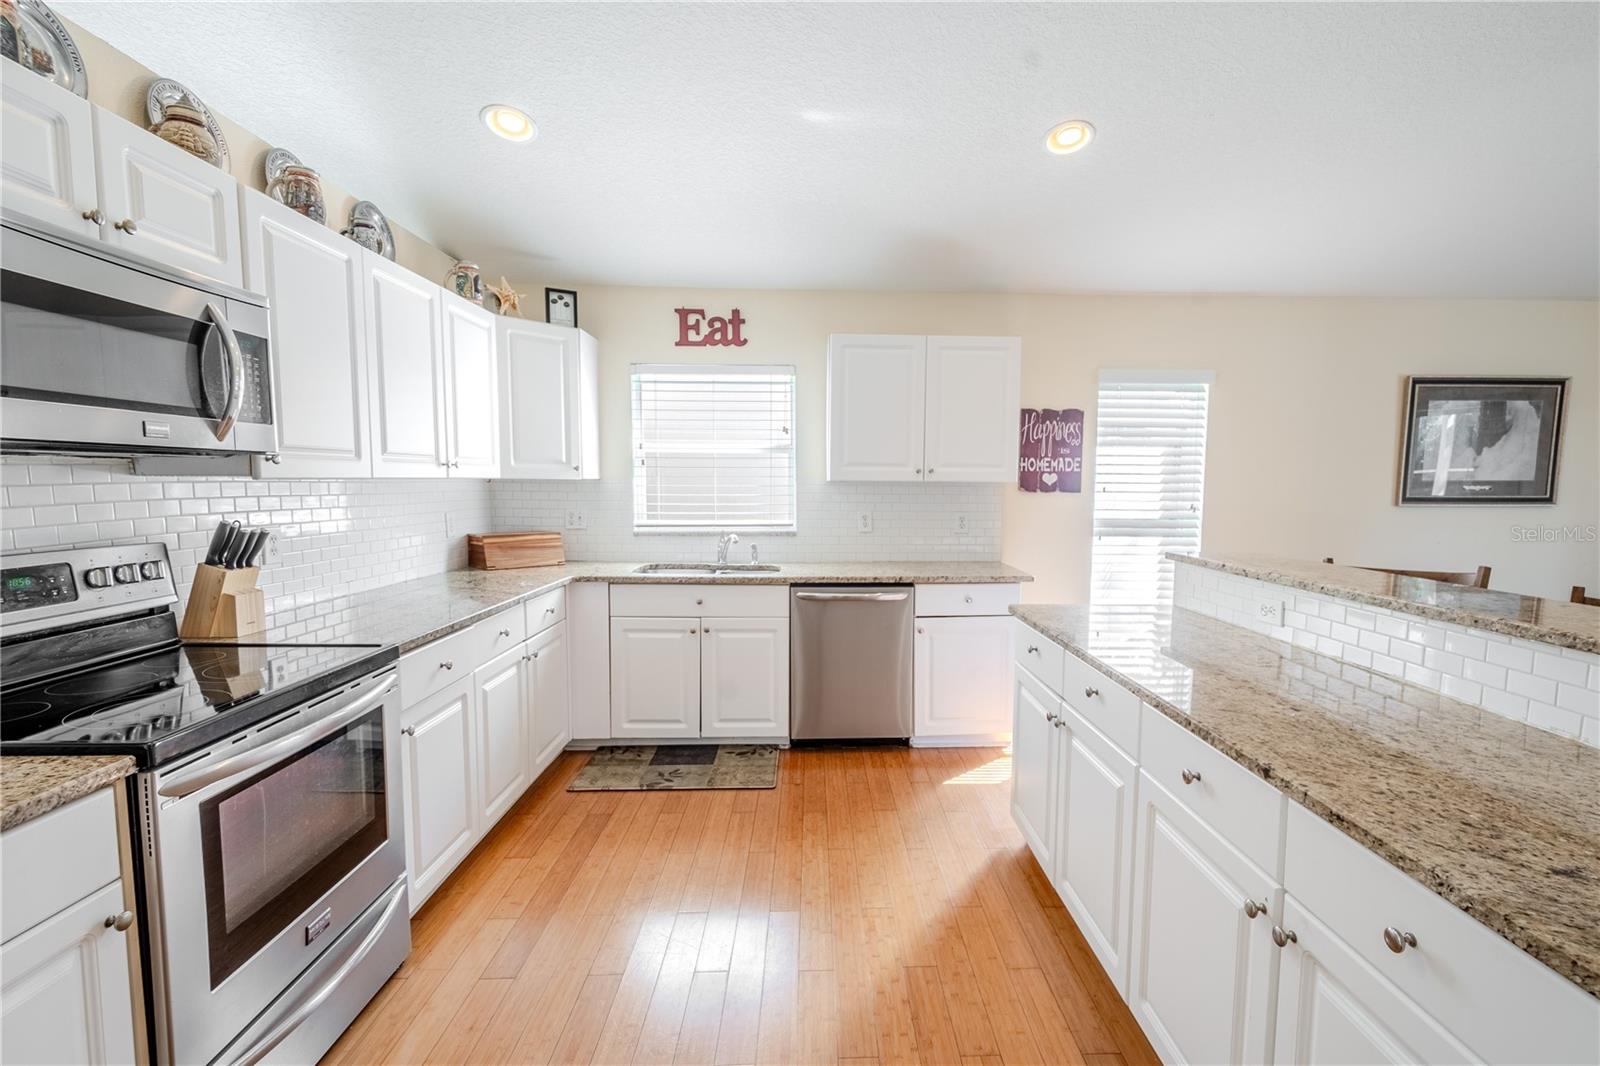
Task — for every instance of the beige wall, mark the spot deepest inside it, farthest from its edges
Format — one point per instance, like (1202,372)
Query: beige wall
(118,83)
(1305,415)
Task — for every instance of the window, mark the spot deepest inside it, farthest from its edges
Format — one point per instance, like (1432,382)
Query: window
(1149,477)
(713,448)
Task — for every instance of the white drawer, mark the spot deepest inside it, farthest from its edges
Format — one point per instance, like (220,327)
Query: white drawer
(1490,994)
(1041,656)
(500,633)
(934,600)
(51,862)
(699,601)
(1108,706)
(1242,808)
(546,610)
(433,666)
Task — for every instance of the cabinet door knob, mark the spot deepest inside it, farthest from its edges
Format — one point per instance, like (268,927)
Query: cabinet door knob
(1050,716)
(1283,937)
(707,629)
(448,664)
(921,630)
(505,632)
(126,226)
(1398,941)
(1033,649)
(697,603)
(120,922)
(575,467)
(919,469)
(1191,776)
(1252,908)
(409,731)
(1090,693)
(535,655)
(95,215)
(549,610)
(968,599)
(930,471)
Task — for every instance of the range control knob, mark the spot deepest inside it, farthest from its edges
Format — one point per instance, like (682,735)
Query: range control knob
(98,578)
(150,571)
(126,574)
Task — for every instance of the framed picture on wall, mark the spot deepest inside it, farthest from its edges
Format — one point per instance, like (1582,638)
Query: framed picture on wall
(1481,440)
(561,307)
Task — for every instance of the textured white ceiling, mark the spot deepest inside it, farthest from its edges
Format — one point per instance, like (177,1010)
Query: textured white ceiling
(1427,149)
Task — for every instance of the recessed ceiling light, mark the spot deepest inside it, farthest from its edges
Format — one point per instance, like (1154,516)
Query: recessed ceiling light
(1069,137)
(509,122)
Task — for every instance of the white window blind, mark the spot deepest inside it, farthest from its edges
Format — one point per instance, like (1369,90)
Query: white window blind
(713,447)
(1149,480)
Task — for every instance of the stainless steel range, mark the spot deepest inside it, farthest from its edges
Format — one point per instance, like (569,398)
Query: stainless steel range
(266,806)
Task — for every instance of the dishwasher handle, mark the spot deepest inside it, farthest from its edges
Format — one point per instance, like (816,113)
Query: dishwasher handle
(853,597)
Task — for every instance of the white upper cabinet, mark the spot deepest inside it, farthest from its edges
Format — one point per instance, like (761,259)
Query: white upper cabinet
(973,405)
(469,356)
(47,152)
(905,408)
(875,407)
(165,204)
(406,370)
(312,279)
(549,426)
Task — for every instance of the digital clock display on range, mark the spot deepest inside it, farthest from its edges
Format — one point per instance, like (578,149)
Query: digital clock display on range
(35,586)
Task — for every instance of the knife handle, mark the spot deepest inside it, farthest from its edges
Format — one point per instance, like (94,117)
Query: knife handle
(236,549)
(252,551)
(219,542)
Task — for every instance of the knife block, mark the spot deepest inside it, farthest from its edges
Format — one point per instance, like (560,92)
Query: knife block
(224,605)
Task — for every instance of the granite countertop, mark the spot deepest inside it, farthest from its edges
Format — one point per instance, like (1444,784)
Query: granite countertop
(1498,817)
(1558,622)
(412,613)
(31,785)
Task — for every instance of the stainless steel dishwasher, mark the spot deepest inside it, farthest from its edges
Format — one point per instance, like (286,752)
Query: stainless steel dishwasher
(850,662)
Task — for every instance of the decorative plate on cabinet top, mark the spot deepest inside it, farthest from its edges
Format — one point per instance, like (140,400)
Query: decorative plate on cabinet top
(370,229)
(32,35)
(164,93)
(277,160)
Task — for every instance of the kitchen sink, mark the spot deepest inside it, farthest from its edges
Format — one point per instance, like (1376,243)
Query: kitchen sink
(704,569)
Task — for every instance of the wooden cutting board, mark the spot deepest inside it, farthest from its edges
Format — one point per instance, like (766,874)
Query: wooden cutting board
(513,551)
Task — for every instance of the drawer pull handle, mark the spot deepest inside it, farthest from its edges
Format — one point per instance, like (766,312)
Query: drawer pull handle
(127,225)
(120,922)
(1398,941)
(448,664)
(1283,937)
(409,731)
(1191,776)
(968,599)
(1252,908)
(707,629)
(1033,649)
(1090,693)
(552,610)
(505,632)
(698,602)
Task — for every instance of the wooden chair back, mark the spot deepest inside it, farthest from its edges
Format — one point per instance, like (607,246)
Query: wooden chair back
(1478,579)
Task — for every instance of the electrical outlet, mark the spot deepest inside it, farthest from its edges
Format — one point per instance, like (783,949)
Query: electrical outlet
(452,523)
(274,549)
(1270,612)
(577,520)
(961,524)
(864,522)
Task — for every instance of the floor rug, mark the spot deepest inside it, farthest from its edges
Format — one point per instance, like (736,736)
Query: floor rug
(689,766)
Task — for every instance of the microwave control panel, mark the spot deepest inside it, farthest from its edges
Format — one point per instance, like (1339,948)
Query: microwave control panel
(257,404)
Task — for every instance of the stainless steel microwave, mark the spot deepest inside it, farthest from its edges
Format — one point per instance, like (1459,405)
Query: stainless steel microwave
(105,353)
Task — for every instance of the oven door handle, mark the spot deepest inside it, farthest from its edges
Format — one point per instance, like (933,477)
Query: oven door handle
(280,1032)
(230,345)
(246,761)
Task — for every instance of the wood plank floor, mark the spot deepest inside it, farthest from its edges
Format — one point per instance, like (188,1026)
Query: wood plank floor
(878,906)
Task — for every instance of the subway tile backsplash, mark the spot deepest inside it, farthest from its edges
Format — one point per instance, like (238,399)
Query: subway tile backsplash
(338,537)
(1553,688)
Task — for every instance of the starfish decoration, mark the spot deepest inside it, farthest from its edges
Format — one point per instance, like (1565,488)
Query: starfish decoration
(510,299)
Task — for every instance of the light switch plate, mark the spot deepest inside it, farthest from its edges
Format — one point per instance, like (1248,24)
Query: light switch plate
(577,520)
(1270,612)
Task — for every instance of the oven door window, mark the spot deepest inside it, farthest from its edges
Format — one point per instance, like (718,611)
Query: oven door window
(71,346)
(274,844)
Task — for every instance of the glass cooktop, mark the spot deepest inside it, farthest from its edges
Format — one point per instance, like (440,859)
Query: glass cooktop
(174,700)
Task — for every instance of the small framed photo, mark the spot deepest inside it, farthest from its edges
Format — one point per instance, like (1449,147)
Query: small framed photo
(561,307)
(1481,440)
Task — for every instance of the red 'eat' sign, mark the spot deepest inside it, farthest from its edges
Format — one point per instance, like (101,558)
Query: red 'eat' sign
(695,330)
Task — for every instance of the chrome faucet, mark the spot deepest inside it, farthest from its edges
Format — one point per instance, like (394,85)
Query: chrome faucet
(726,541)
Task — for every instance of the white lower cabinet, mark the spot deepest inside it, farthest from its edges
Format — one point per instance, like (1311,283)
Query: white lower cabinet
(1094,838)
(1334,1008)
(655,677)
(503,728)
(744,677)
(1033,766)
(547,687)
(1201,969)
(66,996)
(440,767)
(962,682)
